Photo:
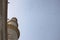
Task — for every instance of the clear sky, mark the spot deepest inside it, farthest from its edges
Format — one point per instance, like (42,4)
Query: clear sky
(38,19)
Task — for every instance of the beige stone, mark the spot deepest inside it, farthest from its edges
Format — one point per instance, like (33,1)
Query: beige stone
(12,28)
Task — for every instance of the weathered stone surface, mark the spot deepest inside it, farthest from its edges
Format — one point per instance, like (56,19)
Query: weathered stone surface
(3,19)
(12,35)
(12,28)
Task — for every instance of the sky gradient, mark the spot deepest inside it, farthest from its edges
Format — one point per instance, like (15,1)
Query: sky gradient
(38,19)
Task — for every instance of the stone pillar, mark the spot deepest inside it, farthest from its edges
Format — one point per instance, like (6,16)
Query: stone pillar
(13,32)
(3,19)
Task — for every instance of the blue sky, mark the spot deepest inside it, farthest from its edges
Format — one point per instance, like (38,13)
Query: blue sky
(38,19)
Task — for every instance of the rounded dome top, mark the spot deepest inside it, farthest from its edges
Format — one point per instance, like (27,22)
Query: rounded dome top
(14,19)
